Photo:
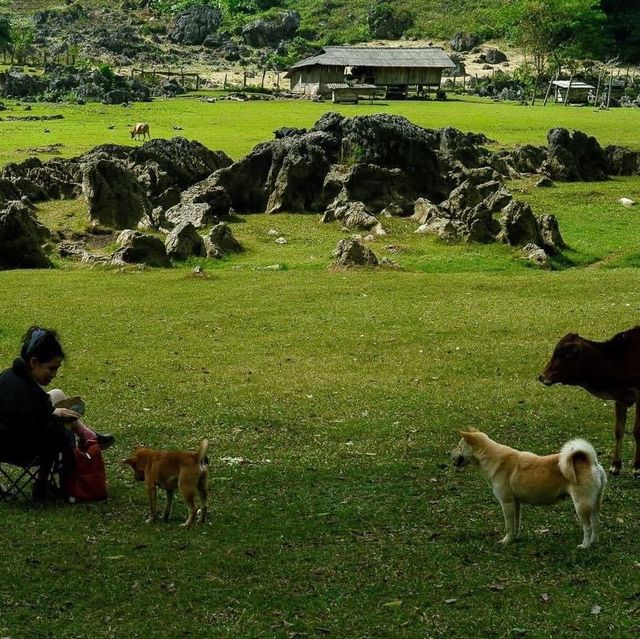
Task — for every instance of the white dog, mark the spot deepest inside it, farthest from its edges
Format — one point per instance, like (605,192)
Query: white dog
(524,478)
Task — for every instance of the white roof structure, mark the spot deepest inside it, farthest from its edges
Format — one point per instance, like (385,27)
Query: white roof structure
(564,84)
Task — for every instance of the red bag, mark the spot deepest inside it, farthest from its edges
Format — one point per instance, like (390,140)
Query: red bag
(88,480)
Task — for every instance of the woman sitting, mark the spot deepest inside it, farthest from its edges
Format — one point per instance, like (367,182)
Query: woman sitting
(30,425)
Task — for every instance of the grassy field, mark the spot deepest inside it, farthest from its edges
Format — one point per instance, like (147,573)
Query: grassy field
(237,127)
(331,400)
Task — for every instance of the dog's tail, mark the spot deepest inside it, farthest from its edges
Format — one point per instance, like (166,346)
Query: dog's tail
(576,451)
(202,451)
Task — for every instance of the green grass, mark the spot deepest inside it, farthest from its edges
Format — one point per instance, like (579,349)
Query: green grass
(345,390)
(237,127)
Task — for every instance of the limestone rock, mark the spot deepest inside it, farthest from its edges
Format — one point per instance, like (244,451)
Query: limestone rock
(351,252)
(184,241)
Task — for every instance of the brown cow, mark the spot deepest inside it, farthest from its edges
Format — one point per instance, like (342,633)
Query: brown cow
(608,370)
(140,129)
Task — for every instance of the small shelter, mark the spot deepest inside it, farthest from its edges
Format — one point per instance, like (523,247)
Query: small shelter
(571,91)
(343,92)
(393,69)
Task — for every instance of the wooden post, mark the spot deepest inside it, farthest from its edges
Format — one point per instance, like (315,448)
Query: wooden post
(600,76)
(609,93)
(533,96)
(568,93)
(244,79)
(197,82)
(224,84)
(278,81)
(182,76)
(546,95)
(264,73)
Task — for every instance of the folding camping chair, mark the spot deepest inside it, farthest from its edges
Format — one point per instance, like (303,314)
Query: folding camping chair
(17,479)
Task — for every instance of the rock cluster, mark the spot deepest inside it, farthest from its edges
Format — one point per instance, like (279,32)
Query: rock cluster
(355,171)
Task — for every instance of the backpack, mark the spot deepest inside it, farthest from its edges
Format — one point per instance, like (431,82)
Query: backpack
(87,481)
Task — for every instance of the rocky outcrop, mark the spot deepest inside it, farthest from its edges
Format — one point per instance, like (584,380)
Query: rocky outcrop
(16,84)
(464,41)
(21,238)
(268,32)
(574,156)
(185,162)
(519,225)
(53,180)
(378,160)
(622,161)
(114,196)
(194,24)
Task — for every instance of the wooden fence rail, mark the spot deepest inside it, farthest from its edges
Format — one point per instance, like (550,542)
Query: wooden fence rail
(168,73)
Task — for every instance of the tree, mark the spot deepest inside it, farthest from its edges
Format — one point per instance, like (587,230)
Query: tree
(385,21)
(21,41)
(5,34)
(558,29)
(624,25)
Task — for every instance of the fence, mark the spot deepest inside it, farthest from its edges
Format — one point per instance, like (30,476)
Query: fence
(168,73)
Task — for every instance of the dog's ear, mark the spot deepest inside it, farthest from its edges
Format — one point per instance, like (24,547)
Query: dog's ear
(469,436)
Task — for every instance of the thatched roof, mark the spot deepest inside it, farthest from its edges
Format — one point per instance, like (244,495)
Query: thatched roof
(430,57)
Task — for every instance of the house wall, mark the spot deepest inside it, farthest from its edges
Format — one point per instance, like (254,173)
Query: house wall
(313,80)
(384,76)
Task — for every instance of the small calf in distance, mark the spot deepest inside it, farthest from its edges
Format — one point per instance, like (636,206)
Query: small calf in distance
(608,370)
(140,129)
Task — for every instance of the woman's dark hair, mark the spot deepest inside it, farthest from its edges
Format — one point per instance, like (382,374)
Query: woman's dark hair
(41,343)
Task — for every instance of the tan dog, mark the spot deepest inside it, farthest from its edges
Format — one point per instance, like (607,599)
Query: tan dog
(524,478)
(171,469)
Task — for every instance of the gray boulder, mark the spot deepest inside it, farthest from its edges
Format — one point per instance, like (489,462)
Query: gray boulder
(550,236)
(268,32)
(441,227)
(21,238)
(140,248)
(352,215)
(114,196)
(519,225)
(183,242)
(622,161)
(55,179)
(196,214)
(536,256)
(527,158)
(185,162)
(16,84)
(207,192)
(194,24)
(423,210)
(574,156)
(351,252)
(494,56)
(221,241)
(463,41)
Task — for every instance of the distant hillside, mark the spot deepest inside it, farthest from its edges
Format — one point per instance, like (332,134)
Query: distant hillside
(137,31)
